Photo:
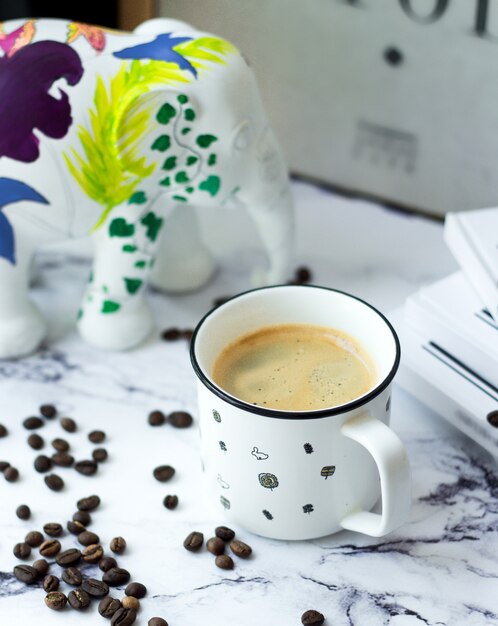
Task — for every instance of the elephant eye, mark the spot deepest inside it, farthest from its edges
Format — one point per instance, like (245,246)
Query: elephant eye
(243,136)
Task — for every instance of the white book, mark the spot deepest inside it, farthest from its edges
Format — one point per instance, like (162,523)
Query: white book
(472,238)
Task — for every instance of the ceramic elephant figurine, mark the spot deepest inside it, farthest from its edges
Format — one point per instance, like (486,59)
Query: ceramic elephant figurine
(122,136)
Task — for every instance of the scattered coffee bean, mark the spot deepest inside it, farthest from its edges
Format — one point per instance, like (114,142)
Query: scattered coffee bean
(96,436)
(137,590)
(34,539)
(87,538)
(3,431)
(312,618)
(23,512)
(62,459)
(193,541)
(302,275)
(225,533)
(123,617)
(107,563)
(61,445)
(35,441)
(93,553)
(83,517)
(42,464)
(68,557)
(41,566)
(180,419)
(51,583)
(240,549)
(48,410)
(75,528)
(72,576)
(54,482)
(88,504)
(492,418)
(170,502)
(4,465)
(79,599)
(187,334)
(118,545)
(32,423)
(130,602)
(221,300)
(156,418)
(215,545)
(223,561)
(95,588)
(50,547)
(163,473)
(55,600)
(53,529)
(108,606)
(157,621)
(99,455)
(22,550)
(11,474)
(171,334)
(87,468)
(26,574)
(68,424)
(116,576)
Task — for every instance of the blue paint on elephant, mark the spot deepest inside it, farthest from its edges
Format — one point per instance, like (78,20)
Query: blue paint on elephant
(25,102)
(161,49)
(13,191)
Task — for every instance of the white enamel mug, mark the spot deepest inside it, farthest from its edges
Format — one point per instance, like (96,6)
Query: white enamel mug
(302,475)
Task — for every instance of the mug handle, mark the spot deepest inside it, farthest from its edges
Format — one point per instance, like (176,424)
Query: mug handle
(391,459)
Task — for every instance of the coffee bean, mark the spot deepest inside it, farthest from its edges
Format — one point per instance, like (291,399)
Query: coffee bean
(68,424)
(157,621)
(118,545)
(95,588)
(93,553)
(34,539)
(53,529)
(225,533)
(124,617)
(180,419)
(41,566)
(75,528)
(42,464)
(36,442)
(312,618)
(83,517)
(116,576)
(62,459)
(50,547)
(223,561)
(88,504)
(4,465)
(156,418)
(79,599)
(87,468)
(193,541)
(99,455)
(54,482)
(55,600)
(171,334)
(48,410)
(108,606)
(23,512)
(32,423)
(130,602)
(163,473)
(96,436)
(107,563)
(11,474)
(87,538)
(3,431)
(187,334)
(302,275)
(61,445)
(22,550)
(241,549)
(68,557)
(215,545)
(51,583)
(137,590)
(170,502)
(72,576)
(26,574)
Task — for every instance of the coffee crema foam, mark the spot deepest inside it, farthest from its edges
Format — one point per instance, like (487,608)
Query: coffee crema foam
(295,367)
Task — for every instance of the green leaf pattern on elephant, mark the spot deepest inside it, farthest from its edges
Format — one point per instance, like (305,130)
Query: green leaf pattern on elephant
(109,306)
(211,185)
(189,115)
(204,141)
(166,113)
(170,163)
(153,225)
(132,285)
(119,227)
(138,197)
(129,248)
(141,264)
(162,143)
(211,160)
(181,177)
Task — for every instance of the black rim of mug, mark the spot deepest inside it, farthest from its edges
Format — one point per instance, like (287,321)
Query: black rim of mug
(304,415)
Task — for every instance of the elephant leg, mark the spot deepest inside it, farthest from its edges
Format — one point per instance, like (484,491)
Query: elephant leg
(114,314)
(183,262)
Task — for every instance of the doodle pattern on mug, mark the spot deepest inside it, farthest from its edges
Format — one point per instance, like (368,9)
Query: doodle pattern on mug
(327,470)
(223,446)
(223,483)
(225,502)
(269,481)
(308,448)
(261,456)
(308,508)
(216,416)
(267,514)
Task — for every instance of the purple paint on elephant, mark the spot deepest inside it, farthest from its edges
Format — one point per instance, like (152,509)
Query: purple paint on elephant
(25,102)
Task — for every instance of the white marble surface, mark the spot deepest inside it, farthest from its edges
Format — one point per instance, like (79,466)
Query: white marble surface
(438,569)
